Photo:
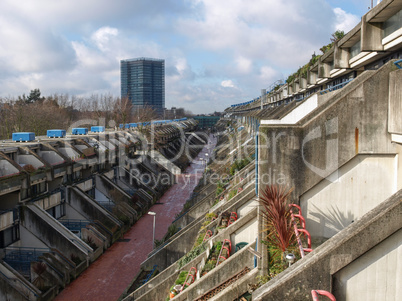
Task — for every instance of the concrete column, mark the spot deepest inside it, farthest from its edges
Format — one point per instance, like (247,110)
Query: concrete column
(371,36)
(312,77)
(324,69)
(263,97)
(341,57)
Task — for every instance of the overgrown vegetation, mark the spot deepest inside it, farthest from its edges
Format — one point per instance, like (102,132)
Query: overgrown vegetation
(238,165)
(302,71)
(191,255)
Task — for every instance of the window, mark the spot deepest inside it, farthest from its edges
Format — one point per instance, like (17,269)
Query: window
(355,49)
(392,24)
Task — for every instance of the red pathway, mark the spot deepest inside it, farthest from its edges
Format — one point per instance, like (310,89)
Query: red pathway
(108,277)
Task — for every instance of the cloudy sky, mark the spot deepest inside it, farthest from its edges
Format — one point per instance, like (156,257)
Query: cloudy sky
(217,52)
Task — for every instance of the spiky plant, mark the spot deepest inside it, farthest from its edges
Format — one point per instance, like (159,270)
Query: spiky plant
(39,268)
(276,213)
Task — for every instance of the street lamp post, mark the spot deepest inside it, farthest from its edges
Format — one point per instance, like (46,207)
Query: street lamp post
(153,234)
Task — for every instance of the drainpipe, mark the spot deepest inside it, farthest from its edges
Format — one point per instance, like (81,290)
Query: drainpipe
(256,157)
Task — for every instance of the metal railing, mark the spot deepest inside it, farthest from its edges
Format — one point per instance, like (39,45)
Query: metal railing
(74,224)
(397,64)
(20,258)
(335,87)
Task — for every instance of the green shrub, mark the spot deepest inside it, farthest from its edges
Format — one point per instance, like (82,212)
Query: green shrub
(182,277)
(191,255)
(232,194)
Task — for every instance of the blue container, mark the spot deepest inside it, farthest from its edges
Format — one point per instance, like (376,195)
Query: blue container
(121,125)
(97,129)
(23,137)
(133,125)
(80,131)
(127,126)
(56,133)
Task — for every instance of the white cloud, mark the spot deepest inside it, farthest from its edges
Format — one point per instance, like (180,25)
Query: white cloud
(244,65)
(102,36)
(345,21)
(227,84)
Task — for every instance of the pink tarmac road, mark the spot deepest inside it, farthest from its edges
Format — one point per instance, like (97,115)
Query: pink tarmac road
(108,277)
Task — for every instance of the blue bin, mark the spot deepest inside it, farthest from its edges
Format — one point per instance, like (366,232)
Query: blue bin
(133,125)
(80,131)
(56,133)
(121,125)
(127,126)
(97,129)
(23,137)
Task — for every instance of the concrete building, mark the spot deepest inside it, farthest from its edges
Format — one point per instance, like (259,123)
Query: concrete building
(334,135)
(143,82)
(64,200)
(173,113)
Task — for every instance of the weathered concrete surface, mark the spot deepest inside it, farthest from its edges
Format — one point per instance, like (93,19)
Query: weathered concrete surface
(330,206)
(316,270)
(352,122)
(395,102)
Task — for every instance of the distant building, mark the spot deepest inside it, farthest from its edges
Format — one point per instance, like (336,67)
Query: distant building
(174,113)
(206,121)
(143,82)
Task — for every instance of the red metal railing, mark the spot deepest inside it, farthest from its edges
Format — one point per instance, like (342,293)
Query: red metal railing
(191,277)
(315,294)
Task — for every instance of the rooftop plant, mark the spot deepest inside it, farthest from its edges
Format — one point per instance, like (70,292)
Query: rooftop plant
(277,216)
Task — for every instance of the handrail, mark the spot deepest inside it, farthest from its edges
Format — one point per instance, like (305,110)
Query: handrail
(302,220)
(207,235)
(149,274)
(188,275)
(335,87)
(229,248)
(315,294)
(397,64)
(297,231)
(304,231)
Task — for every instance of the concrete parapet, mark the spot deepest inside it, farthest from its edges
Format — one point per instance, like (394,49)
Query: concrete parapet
(317,269)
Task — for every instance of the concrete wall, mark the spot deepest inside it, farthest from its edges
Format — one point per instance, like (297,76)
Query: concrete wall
(376,275)
(316,270)
(248,233)
(395,102)
(297,113)
(354,190)
(91,210)
(174,250)
(15,287)
(51,233)
(351,122)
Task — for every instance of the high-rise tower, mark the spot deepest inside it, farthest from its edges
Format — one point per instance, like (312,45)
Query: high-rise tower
(143,82)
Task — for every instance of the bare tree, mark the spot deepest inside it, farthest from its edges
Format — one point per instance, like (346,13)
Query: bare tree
(145,113)
(123,110)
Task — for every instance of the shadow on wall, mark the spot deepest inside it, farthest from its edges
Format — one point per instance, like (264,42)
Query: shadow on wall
(330,222)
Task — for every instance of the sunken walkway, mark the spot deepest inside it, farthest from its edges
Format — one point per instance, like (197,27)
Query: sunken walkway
(108,277)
